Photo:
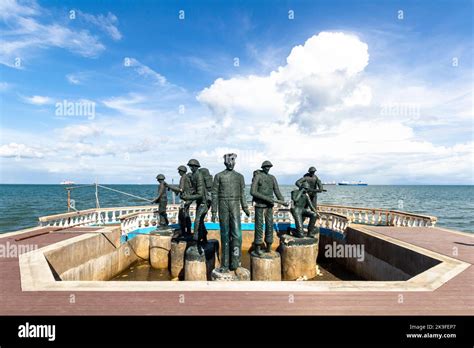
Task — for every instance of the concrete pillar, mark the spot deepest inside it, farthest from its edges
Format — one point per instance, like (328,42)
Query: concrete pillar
(178,248)
(298,257)
(200,263)
(160,246)
(195,265)
(266,266)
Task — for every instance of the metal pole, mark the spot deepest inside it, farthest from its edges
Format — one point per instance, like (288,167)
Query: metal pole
(97,204)
(68,200)
(172,193)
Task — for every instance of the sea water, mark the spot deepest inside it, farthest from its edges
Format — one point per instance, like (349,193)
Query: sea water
(21,205)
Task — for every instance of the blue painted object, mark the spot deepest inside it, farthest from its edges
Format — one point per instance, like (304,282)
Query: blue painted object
(279,227)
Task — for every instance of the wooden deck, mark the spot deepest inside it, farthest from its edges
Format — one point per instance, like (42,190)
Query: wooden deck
(456,297)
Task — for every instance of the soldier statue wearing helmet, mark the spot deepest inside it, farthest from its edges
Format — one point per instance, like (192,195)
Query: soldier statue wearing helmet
(264,186)
(315,185)
(201,181)
(305,202)
(184,188)
(162,200)
(303,207)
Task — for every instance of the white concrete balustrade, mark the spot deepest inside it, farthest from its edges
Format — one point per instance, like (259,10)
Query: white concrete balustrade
(334,217)
(90,217)
(383,217)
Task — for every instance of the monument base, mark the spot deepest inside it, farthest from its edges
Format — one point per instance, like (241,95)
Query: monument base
(178,248)
(160,246)
(200,260)
(240,274)
(266,266)
(179,244)
(163,231)
(298,257)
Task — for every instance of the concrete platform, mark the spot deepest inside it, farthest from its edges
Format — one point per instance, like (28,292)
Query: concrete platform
(452,295)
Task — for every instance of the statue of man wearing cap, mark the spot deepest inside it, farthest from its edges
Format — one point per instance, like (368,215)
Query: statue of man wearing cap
(228,196)
(162,200)
(315,185)
(264,186)
(184,188)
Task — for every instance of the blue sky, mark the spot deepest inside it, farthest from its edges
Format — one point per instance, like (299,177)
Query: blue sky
(359,89)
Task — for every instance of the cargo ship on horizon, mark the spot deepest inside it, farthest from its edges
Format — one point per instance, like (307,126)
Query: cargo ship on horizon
(352,183)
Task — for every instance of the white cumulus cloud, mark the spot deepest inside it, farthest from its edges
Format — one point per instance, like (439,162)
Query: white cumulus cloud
(19,151)
(38,100)
(28,30)
(320,76)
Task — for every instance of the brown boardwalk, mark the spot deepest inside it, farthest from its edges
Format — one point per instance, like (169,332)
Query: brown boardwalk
(456,297)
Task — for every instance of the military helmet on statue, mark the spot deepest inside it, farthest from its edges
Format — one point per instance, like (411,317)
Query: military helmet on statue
(267,164)
(194,162)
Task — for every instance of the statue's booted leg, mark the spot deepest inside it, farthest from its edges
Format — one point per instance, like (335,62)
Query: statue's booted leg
(299,219)
(200,231)
(197,221)
(235,235)
(224,220)
(187,219)
(312,229)
(258,240)
(182,222)
(202,226)
(268,228)
(163,216)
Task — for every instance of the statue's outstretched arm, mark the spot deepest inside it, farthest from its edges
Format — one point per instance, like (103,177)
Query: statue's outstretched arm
(300,181)
(319,184)
(310,204)
(175,188)
(276,190)
(297,196)
(243,200)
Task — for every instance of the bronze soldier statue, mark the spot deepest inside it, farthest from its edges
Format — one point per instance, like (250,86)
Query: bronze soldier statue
(162,200)
(202,184)
(315,185)
(184,188)
(303,207)
(264,185)
(228,196)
